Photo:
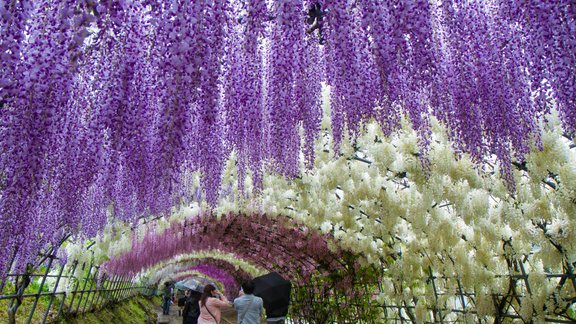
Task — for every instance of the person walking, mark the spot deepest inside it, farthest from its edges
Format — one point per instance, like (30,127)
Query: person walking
(191,310)
(210,304)
(167,298)
(248,306)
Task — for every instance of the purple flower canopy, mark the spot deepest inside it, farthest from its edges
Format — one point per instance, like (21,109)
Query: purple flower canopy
(110,104)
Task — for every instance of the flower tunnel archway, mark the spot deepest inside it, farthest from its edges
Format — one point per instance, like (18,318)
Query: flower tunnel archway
(390,222)
(179,267)
(203,245)
(274,244)
(225,269)
(421,152)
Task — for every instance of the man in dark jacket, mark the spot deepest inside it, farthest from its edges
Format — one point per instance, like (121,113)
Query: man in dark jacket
(167,298)
(191,310)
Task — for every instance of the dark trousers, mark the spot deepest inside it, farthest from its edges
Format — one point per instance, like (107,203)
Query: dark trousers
(275,322)
(166,306)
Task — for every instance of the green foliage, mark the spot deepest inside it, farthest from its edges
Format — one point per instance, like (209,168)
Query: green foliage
(24,309)
(349,295)
(572,311)
(135,310)
(35,286)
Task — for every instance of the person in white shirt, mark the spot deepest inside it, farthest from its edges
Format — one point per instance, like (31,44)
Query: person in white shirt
(248,306)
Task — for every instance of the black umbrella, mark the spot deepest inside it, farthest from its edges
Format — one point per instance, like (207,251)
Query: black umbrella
(275,291)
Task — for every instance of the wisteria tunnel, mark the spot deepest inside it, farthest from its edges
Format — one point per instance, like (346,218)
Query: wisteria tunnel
(396,161)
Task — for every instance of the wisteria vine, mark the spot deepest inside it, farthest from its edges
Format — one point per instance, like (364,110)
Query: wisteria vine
(107,106)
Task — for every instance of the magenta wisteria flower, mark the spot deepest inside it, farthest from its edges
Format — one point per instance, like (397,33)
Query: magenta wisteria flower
(231,285)
(272,244)
(220,270)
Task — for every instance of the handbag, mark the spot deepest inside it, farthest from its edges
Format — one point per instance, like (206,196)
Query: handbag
(209,312)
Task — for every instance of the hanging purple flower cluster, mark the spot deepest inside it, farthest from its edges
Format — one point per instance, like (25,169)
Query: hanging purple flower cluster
(284,86)
(350,68)
(107,106)
(39,49)
(244,109)
(488,92)
(546,47)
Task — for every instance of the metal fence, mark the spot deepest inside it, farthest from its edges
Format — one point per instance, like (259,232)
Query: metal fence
(52,292)
(321,301)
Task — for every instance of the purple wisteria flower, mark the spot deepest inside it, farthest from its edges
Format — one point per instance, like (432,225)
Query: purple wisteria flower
(106,107)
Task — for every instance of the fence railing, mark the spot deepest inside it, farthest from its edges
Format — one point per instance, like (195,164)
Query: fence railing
(447,300)
(48,294)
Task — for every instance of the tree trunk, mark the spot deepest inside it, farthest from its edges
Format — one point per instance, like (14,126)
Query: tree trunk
(17,301)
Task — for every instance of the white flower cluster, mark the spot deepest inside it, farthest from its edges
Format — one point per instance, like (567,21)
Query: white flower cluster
(456,221)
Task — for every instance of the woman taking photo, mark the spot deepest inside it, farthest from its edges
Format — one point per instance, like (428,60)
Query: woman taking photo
(210,303)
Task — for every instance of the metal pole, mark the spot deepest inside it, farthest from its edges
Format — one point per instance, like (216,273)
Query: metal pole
(114,291)
(120,290)
(62,304)
(51,257)
(53,294)
(92,281)
(83,288)
(129,289)
(124,290)
(462,300)
(569,272)
(76,286)
(437,310)
(96,291)
(102,291)
(133,290)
